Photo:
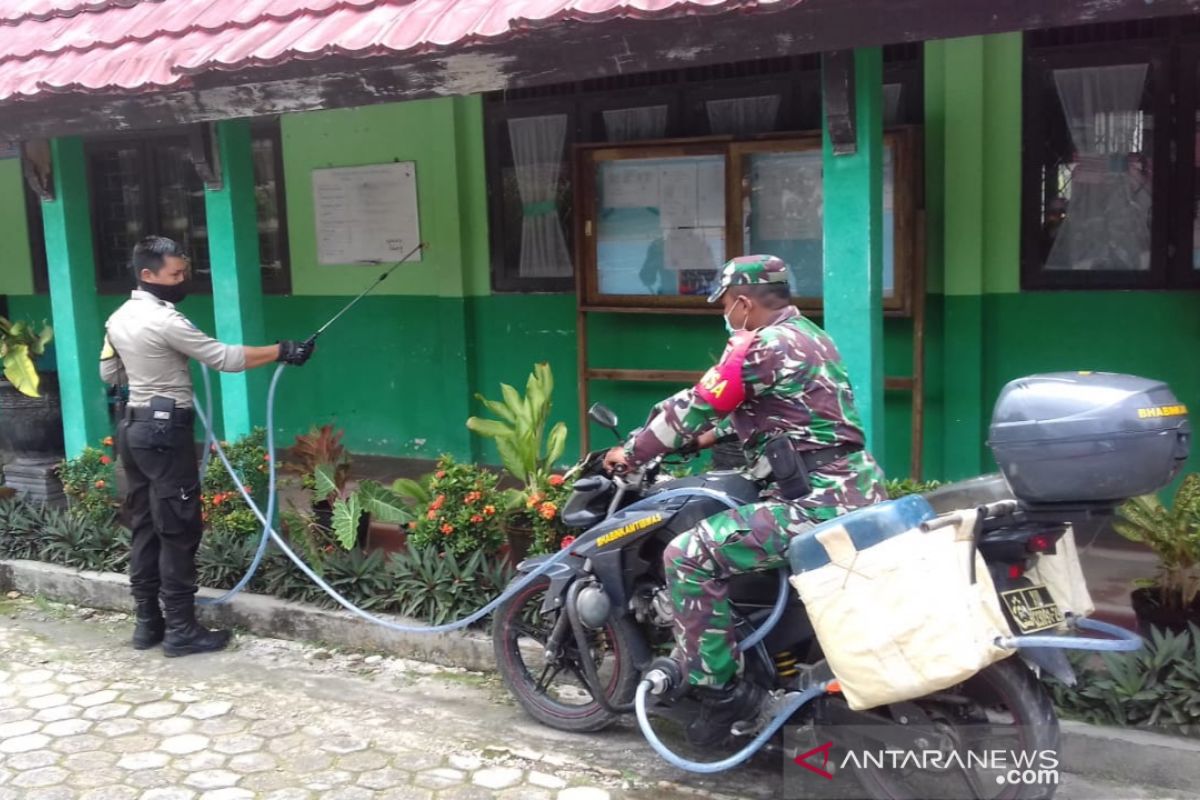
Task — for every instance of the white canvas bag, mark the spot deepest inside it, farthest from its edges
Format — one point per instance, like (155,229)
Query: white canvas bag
(1062,574)
(901,619)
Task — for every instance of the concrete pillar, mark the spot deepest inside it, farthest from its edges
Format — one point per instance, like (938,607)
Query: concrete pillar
(78,328)
(236,273)
(853,243)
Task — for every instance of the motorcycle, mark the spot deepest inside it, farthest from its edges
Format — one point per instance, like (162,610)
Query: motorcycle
(572,646)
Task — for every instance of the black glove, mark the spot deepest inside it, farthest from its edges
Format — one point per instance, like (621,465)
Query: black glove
(295,353)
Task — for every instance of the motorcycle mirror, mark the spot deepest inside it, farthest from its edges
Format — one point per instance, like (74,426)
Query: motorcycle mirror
(604,417)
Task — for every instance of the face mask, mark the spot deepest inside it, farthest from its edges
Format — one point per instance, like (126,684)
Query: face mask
(173,293)
(729,325)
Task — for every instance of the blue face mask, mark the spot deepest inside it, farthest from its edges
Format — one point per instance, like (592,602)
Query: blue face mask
(729,325)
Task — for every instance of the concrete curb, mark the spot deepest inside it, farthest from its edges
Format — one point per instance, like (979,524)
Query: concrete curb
(1132,756)
(260,614)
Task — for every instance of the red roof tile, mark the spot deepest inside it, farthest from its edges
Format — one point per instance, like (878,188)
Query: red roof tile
(115,46)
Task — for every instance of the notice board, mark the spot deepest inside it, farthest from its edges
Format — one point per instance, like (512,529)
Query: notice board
(366,213)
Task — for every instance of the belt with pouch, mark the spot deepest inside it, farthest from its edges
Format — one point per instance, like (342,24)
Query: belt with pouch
(176,416)
(790,467)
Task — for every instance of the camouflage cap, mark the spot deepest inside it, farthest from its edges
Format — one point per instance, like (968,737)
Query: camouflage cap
(750,271)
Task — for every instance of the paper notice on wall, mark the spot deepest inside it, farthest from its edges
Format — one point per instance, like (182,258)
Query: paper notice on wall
(787,198)
(628,184)
(710,194)
(366,213)
(693,248)
(677,200)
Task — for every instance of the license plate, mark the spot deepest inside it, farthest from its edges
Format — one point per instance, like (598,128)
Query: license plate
(1032,609)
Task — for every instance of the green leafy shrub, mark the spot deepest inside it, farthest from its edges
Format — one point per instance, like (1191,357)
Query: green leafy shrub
(1174,536)
(463,513)
(223,508)
(20,344)
(438,587)
(1157,686)
(526,450)
(543,507)
(223,558)
(369,497)
(90,482)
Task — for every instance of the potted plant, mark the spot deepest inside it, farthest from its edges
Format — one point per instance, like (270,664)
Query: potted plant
(527,451)
(319,446)
(30,413)
(354,509)
(459,509)
(1171,599)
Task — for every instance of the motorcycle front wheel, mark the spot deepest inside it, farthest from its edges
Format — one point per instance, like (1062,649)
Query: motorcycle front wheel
(553,689)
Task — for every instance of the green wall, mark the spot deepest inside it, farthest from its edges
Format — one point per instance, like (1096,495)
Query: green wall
(16,271)
(400,372)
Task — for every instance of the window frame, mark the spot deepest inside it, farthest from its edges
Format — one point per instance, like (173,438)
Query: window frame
(505,277)
(901,139)
(1181,271)
(1037,83)
(146,142)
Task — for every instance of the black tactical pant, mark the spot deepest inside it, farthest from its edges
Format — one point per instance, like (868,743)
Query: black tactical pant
(162,505)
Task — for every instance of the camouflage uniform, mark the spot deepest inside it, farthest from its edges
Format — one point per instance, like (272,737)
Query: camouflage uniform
(784,378)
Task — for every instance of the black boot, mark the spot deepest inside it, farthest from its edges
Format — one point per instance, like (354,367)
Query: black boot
(149,626)
(185,636)
(720,709)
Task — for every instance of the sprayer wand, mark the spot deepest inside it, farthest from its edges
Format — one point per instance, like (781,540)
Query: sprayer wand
(312,339)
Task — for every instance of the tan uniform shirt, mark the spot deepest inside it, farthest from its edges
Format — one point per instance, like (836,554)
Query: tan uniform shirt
(148,343)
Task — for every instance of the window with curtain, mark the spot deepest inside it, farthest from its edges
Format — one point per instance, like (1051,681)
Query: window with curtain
(1110,116)
(532,133)
(144,185)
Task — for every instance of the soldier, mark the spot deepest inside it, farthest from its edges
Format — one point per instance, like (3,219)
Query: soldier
(148,345)
(782,387)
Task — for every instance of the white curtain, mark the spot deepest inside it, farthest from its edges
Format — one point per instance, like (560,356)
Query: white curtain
(633,124)
(1106,224)
(537,148)
(891,102)
(743,116)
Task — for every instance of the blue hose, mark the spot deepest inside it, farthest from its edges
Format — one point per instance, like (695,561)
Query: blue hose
(269,533)
(708,767)
(1126,641)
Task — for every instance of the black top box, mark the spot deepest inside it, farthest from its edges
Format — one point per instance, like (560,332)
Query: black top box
(1088,437)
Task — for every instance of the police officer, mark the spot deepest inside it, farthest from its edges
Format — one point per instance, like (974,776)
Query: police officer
(782,387)
(148,344)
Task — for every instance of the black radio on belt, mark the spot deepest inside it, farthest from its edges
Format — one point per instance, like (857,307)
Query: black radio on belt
(162,418)
(788,469)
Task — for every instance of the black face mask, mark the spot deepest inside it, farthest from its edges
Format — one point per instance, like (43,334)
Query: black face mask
(174,293)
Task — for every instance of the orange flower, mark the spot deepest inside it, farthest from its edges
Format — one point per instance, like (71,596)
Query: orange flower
(218,499)
(489,510)
(447,529)
(438,502)
(567,542)
(441,473)
(431,515)
(473,496)
(556,480)
(266,456)
(412,525)
(476,519)
(100,484)
(107,441)
(105,460)
(534,499)
(548,510)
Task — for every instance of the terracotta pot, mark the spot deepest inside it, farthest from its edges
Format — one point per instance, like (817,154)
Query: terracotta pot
(1150,612)
(520,539)
(388,537)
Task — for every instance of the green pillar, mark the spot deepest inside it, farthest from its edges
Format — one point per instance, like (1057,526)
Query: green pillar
(78,328)
(853,191)
(236,273)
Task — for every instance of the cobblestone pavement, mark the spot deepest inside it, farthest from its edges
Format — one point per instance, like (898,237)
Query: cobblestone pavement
(82,716)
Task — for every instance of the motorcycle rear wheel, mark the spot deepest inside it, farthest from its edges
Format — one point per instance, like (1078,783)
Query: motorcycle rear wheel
(1007,696)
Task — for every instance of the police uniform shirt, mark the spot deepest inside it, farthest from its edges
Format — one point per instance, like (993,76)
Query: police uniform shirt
(148,344)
